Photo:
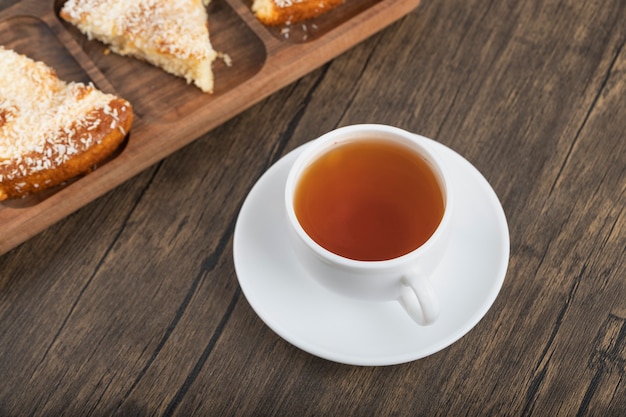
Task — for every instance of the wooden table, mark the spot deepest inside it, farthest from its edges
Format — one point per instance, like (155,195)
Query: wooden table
(131,305)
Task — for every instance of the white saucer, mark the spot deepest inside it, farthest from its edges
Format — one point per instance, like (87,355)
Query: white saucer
(356,332)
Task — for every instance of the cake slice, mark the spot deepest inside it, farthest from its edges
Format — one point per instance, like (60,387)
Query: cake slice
(50,130)
(171,34)
(286,12)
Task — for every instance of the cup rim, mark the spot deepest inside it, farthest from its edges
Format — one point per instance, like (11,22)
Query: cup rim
(323,143)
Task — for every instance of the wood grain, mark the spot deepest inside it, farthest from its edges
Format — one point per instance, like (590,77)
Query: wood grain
(130,306)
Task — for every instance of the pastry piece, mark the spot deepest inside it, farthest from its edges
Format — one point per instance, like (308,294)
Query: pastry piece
(172,34)
(285,12)
(50,130)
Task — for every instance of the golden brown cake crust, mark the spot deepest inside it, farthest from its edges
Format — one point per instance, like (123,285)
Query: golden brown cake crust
(172,35)
(50,130)
(71,155)
(285,12)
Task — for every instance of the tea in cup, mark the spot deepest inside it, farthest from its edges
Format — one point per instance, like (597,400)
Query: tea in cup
(369,212)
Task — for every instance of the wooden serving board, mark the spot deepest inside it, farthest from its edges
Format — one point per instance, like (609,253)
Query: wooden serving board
(169,113)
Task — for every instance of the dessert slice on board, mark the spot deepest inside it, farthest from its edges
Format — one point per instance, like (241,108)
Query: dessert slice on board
(51,130)
(173,34)
(286,12)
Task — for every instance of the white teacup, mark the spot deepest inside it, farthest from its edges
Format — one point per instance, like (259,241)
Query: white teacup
(405,277)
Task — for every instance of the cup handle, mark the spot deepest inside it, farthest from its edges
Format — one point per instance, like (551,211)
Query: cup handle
(419,299)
